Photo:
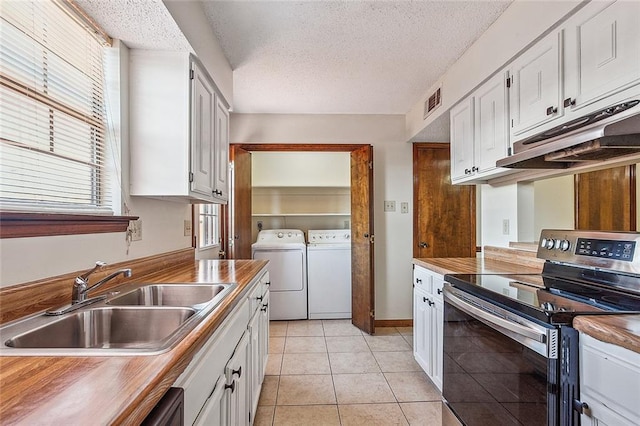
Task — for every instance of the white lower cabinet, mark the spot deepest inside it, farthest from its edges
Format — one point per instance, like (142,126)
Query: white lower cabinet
(222,381)
(609,384)
(428,324)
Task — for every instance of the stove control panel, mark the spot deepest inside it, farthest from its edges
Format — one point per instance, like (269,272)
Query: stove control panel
(608,249)
(614,251)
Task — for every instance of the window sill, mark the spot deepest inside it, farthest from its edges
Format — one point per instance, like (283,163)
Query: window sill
(21,225)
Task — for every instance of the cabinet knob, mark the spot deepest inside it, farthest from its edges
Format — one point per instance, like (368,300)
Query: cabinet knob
(569,102)
(467,171)
(418,280)
(259,298)
(264,307)
(423,244)
(439,291)
(232,386)
(268,283)
(552,110)
(424,299)
(431,303)
(238,372)
(581,407)
(474,169)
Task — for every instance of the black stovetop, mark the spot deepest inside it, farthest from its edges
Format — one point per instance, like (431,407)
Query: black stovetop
(557,295)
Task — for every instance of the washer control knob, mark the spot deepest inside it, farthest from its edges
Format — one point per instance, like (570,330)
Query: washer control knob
(565,245)
(547,306)
(549,243)
(280,235)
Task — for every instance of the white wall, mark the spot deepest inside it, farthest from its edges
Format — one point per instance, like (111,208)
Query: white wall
(28,259)
(520,24)
(554,206)
(281,169)
(392,181)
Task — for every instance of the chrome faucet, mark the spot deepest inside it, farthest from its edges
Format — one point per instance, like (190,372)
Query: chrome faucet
(81,284)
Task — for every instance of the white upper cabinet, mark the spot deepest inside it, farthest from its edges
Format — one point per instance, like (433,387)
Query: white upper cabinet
(591,62)
(602,54)
(479,132)
(535,94)
(179,127)
(461,139)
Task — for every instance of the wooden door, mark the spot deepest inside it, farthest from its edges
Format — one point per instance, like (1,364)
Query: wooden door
(362,239)
(605,200)
(239,207)
(444,220)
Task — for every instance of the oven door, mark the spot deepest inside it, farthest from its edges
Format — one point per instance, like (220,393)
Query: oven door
(499,368)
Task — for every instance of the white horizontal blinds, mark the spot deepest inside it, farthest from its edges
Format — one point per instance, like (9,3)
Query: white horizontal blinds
(52,115)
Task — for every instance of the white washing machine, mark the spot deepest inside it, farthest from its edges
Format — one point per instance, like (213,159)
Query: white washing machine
(329,273)
(286,252)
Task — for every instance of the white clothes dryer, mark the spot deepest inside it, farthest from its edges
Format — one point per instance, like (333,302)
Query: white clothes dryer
(286,252)
(329,273)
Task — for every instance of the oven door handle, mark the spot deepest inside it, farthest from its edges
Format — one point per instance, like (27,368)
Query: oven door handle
(493,320)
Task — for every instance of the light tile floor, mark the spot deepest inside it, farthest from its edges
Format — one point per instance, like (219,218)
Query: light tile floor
(329,373)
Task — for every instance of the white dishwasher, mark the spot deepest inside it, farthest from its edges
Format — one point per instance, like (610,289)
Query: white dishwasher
(329,273)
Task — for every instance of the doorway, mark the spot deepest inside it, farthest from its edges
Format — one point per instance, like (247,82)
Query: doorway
(362,238)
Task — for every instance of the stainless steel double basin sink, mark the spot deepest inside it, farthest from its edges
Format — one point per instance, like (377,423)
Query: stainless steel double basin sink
(147,319)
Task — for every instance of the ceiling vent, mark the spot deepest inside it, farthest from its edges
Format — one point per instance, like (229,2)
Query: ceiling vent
(432,103)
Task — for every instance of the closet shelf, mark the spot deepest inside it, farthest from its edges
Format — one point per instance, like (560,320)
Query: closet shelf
(298,214)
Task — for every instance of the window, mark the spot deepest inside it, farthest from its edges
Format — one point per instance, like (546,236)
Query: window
(53,149)
(209,231)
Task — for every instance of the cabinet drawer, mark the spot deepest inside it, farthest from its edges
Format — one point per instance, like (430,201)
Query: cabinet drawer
(255,297)
(610,375)
(438,284)
(422,279)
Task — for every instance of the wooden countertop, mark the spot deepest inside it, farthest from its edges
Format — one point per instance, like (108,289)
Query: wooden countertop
(115,389)
(473,265)
(621,330)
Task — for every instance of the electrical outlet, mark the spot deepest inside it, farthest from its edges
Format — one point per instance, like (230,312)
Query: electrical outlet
(187,228)
(389,206)
(404,207)
(135,229)
(505,226)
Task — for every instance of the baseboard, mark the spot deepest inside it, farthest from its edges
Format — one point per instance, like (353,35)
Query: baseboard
(394,323)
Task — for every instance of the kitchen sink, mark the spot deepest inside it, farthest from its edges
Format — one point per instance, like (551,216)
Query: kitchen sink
(139,319)
(106,328)
(171,295)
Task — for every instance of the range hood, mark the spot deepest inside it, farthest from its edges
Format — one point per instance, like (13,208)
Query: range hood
(605,134)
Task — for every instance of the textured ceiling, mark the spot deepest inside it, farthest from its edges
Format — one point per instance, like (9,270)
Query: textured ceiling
(140,24)
(347,57)
(322,57)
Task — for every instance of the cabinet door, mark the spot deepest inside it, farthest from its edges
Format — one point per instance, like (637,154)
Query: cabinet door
(264,334)
(237,375)
(202,133)
(214,411)
(255,365)
(602,51)
(422,329)
(462,139)
(221,165)
(535,93)
(437,348)
(491,131)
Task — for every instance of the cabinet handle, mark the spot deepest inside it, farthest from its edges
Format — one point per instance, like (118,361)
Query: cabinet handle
(424,299)
(551,110)
(431,303)
(423,244)
(439,291)
(474,169)
(418,280)
(264,308)
(569,102)
(467,171)
(232,386)
(238,372)
(268,283)
(259,298)
(582,407)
